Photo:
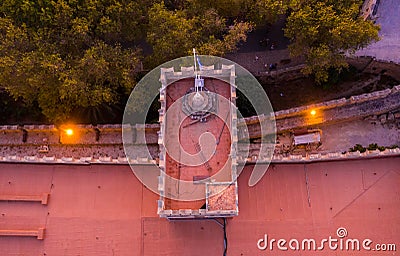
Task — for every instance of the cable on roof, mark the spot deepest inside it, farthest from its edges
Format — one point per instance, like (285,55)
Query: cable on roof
(225,239)
(223,226)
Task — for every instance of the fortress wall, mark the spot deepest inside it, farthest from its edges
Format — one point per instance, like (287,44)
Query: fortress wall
(353,108)
(103,143)
(358,106)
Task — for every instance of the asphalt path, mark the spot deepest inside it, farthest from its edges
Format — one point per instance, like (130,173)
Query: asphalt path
(388,48)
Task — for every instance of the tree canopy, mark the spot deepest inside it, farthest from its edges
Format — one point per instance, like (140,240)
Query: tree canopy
(175,33)
(67,55)
(324,31)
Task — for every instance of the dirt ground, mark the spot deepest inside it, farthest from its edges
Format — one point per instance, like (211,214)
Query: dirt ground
(285,95)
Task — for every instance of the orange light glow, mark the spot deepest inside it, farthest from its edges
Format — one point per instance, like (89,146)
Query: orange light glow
(69,132)
(313,112)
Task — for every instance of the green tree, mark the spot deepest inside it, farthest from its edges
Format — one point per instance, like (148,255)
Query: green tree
(68,55)
(268,10)
(256,11)
(170,33)
(175,33)
(325,31)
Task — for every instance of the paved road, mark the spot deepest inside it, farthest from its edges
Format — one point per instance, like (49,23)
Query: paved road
(388,48)
(263,37)
(256,54)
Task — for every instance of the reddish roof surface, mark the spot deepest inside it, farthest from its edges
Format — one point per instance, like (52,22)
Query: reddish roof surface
(104,210)
(219,165)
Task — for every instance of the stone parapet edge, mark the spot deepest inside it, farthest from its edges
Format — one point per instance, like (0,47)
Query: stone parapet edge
(318,157)
(324,157)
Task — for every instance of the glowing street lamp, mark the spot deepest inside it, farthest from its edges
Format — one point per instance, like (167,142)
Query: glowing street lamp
(313,112)
(69,132)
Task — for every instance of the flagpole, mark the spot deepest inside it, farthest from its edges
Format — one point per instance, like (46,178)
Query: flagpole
(195,66)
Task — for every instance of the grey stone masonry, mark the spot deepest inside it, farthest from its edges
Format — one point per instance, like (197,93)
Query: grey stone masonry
(354,108)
